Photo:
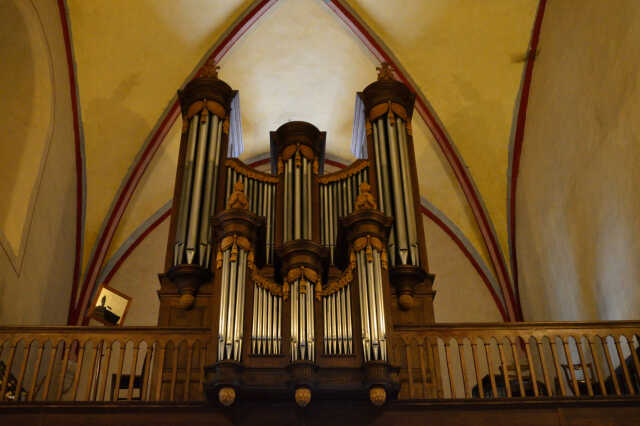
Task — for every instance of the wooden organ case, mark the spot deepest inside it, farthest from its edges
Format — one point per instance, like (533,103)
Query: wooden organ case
(300,275)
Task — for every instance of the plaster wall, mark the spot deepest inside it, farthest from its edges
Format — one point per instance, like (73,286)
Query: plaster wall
(37,289)
(578,210)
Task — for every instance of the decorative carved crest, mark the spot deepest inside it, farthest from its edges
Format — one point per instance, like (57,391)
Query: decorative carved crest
(238,200)
(385,72)
(365,199)
(210,69)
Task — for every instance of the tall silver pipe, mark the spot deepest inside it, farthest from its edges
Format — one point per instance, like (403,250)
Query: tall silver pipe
(343,319)
(278,325)
(398,203)
(276,319)
(196,195)
(185,193)
(297,198)
(269,321)
(383,185)
(377,267)
(364,303)
(286,223)
(325,326)
(340,342)
(303,321)
(254,325)
(294,320)
(409,203)
(373,317)
(303,198)
(309,201)
(206,202)
(349,323)
(229,337)
(239,314)
(310,323)
(258,316)
(330,214)
(224,290)
(267,215)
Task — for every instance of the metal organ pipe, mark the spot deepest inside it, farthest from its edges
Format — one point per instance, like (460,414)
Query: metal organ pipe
(371,305)
(384,170)
(181,229)
(408,200)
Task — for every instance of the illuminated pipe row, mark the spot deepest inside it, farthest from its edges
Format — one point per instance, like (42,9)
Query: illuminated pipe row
(302,321)
(395,187)
(297,199)
(198,194)
(266,332)
(261,197)
(230,329)
(374,338)
(338,199)
(338,333)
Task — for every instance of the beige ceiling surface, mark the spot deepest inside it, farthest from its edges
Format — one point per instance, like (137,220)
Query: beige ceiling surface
(298,62)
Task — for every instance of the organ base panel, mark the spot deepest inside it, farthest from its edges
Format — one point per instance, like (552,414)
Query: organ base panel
(301,276)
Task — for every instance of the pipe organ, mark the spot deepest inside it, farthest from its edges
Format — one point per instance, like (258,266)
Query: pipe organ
(300,275)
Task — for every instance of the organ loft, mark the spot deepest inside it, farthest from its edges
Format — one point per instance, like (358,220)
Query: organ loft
(301,275)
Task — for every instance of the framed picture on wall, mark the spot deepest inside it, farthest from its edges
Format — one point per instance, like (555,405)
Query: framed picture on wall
(109,306)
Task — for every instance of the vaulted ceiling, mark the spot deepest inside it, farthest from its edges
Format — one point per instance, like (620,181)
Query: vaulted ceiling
(300,60)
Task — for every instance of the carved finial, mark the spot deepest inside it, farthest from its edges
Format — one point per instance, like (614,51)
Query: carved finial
(365,199)
(238,200)
(210,69)
(385,72)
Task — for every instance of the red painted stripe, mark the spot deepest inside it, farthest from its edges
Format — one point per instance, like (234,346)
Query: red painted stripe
(125,195)
(135,244)
(445,144)
(518,140)
(78,154)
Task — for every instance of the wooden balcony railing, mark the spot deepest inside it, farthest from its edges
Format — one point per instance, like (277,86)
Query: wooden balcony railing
(442,361)
(527,360)
(102,364)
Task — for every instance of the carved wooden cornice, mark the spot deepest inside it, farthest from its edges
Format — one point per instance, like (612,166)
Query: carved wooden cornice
(352,169)
(245,170)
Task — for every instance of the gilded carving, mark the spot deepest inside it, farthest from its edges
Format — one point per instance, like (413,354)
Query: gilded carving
(264,282)
(253,174)
(345,278)
(385,72)
(237,199)
(369,243)
(365,199)
(205,105)
(381,109)
(344,173)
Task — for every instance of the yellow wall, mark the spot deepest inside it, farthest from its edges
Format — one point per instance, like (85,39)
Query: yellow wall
(38,292)
(578,209)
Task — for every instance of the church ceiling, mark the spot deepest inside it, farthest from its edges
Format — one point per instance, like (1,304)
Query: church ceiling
(294,60)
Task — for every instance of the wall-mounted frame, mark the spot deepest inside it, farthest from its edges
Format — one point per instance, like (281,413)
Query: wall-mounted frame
(110,306)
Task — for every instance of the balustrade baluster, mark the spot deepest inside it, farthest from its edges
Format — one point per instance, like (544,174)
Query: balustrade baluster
(596,363)
(34,379)
(23,368)
(423,369)
(452,386)
(585,371)
(187,375)
(532,368)
(132,370)
(5,379)
(159,370)
(47,381)
(545,371)
(556,362)
(612,371)
(65,363)
(567,353)
(623,363)
(474,352)
(174,372)
(634,355)
(105,376)
(145,393)
(76,377)
(116,388)
(516,361)
(505,370)
(92,372)
(463,369)
(494,389)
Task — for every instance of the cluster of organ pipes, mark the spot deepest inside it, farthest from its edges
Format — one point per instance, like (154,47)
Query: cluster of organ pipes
(302,320)
(198,192)
(266,329)
(338,331)
(374,335)
(261,195)
(297,198)
(232,286)
(395,192)
(337,199)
